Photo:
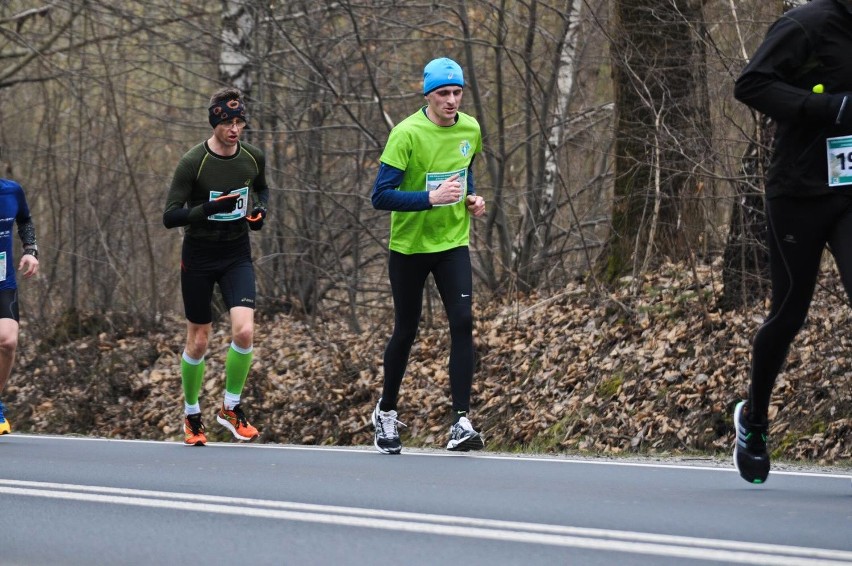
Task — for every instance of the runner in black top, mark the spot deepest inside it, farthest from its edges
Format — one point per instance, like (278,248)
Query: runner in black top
(801,76)
(209,196)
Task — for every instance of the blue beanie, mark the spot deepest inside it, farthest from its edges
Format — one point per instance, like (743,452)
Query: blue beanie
(441,72)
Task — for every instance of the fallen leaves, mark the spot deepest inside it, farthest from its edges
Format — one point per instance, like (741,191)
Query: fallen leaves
(566,372)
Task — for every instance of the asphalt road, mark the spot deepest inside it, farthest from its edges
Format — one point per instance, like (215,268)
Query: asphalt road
(68,500)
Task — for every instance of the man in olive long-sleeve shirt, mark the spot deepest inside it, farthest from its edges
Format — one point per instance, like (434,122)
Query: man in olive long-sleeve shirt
(209,197)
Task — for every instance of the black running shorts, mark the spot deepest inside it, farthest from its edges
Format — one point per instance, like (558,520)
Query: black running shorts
(9,304)
(203,264)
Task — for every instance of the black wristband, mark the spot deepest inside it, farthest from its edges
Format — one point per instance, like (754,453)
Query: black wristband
(31,251)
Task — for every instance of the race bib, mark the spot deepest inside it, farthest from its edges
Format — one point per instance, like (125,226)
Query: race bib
(839,152)
(239,212)
(2,266)
(434,180)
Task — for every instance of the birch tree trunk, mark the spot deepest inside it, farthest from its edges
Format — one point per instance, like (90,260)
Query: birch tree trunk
(238,28)
(544,180)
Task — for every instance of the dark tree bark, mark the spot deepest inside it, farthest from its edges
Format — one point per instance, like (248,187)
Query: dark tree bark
(746,261)
(661,132)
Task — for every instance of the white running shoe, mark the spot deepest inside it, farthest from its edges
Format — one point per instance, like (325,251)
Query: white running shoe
(386,439)
(463,437)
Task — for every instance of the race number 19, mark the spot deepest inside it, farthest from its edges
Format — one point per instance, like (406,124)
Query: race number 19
(839,153)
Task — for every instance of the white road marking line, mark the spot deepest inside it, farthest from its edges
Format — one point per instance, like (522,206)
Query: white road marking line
(445,525)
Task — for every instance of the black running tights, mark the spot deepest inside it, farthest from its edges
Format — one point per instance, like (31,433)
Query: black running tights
(799,230)
(452,273)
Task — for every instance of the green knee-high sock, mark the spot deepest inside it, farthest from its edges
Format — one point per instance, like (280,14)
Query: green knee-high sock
(237,365)
(191,375)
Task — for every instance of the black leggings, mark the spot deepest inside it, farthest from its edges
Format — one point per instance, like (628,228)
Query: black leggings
(799,230)
(452,273)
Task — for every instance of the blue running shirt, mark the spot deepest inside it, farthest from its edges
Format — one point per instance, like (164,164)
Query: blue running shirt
(13,208)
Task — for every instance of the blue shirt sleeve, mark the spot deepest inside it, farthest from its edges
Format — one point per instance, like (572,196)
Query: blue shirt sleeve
(387,197)
(471,189)
(23,214)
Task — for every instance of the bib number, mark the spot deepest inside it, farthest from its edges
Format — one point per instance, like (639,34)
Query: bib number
(239,212)
(434,180)
(839,152)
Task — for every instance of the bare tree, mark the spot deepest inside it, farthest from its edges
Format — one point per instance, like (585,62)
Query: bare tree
(746,260)
(540,241)
(95,88)
(118,91)
(662,132)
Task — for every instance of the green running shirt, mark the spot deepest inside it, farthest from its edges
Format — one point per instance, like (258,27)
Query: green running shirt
(429,154)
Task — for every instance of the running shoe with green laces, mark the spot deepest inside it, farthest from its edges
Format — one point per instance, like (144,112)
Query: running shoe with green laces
(5,428)
(235,421)
(750,456)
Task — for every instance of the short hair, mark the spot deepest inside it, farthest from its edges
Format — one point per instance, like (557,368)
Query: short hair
(227,93)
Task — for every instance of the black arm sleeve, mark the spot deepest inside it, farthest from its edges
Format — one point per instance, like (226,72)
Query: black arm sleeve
(27,233)
(176,217)
(261,188)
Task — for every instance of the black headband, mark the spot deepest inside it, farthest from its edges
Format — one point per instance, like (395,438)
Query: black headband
(227,110)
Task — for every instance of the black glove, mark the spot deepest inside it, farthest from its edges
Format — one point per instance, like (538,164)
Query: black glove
(830,109)
(255,218)
(223,203)
(844,115)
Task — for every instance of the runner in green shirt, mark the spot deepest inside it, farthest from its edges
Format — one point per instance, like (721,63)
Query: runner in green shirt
(426,180)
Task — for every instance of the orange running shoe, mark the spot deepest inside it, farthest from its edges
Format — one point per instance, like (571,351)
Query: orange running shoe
(235,421)
(193,431)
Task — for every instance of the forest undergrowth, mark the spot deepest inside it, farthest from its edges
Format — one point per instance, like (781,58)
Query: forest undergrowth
(574,372)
